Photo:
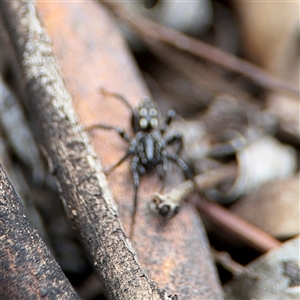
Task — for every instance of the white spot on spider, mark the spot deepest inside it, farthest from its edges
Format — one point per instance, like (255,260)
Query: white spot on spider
(154,122)
(153,112)
(143,112)
(143,123)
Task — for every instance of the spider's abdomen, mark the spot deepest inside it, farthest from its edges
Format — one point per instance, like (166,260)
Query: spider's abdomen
(149,148)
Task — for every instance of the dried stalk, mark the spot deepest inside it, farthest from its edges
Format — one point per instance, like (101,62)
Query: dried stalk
(168,204)
(225,260)
(195,71)
(244,231)
(233,224)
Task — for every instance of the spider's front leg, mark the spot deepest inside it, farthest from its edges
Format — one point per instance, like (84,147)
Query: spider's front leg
(170,117)
(121,132)
(119,97)
(175,138)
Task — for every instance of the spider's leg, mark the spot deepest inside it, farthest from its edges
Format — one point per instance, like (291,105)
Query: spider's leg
(162,169)
(136,184)
(169,206)
(175,138)
(122,133)
(116,164)
(182,164)
(170,117)
(119,97)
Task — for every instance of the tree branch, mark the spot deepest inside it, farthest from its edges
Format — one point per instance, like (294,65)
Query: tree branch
(27,269)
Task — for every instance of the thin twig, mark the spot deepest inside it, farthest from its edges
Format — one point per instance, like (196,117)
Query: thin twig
(149,29)
(195,71)
(229,222)
(168,204)
(225,260)
(241,229)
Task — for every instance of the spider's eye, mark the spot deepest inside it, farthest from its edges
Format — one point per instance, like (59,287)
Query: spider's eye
(143,112)
(154,122)
(153,112)
(143,123)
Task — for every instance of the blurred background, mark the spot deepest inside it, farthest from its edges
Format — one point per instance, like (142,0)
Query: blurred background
(227,117)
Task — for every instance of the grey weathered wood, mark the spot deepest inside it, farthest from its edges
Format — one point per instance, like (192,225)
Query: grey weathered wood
(27,268)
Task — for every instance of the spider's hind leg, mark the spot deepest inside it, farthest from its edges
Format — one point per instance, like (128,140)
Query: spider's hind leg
(182,164)
(136,182)
(161,169)
(122,133)
(168,206)
(118,163)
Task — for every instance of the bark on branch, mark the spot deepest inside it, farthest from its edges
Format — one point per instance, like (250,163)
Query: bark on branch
(27,268)
(88,201)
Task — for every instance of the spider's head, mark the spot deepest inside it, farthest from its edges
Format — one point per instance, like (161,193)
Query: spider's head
(146,118)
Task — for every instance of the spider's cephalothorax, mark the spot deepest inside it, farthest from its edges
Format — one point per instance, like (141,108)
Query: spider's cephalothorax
(146,117)
(148,146)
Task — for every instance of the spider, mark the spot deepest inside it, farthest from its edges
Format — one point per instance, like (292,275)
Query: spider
(148,145)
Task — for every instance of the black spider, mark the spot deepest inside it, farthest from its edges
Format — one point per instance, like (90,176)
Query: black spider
(148,146)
